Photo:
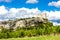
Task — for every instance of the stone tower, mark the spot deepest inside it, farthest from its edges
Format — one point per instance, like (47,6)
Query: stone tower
(44,15)
(39,16)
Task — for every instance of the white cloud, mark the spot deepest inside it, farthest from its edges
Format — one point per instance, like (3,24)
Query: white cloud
(3,10)
(26,12)
(55,23)
(32,1)
(53,16)
(13,10)
(16,12)
(5,0)
(53,3)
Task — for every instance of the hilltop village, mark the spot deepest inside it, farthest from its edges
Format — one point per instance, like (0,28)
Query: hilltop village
(23,22)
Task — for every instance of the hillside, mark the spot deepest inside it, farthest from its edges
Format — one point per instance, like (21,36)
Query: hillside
(23,22)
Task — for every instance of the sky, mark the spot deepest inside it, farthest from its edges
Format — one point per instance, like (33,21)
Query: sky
(11,9)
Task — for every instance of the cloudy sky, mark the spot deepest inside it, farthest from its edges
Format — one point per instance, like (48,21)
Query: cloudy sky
(11,9)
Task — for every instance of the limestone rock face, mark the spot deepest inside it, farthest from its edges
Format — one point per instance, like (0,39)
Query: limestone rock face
(20,23)
(24,22)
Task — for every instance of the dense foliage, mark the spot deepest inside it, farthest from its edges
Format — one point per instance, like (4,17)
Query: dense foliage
(40,29)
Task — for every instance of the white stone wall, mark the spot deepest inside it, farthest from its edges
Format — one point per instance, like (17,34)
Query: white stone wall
(20,23)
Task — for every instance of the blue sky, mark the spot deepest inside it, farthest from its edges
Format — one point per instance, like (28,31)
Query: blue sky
(10,9)
(41,4)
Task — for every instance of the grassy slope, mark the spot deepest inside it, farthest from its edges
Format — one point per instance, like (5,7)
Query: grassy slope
(36,38)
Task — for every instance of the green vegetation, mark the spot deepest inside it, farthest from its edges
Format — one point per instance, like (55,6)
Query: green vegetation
(39,29)
(51,37)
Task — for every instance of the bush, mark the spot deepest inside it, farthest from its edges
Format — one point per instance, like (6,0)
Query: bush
(40,29)
(21,33)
